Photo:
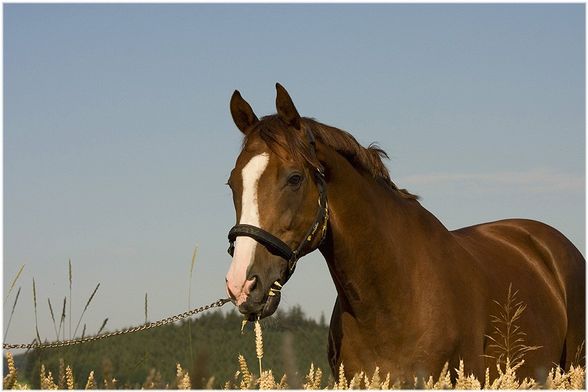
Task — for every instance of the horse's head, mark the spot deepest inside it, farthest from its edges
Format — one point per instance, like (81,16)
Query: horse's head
(276,183)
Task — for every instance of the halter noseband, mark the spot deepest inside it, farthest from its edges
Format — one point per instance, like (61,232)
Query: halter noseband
(275,245)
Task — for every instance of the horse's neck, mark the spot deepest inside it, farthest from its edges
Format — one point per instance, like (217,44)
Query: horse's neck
(378,242)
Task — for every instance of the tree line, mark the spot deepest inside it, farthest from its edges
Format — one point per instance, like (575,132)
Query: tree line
(207,346)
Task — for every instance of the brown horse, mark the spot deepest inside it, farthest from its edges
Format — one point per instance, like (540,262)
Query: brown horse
(412,295)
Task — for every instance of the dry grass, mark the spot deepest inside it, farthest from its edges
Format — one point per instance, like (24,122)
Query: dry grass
(91,383)
(507,379)
(47,379)
(508,340)
(509,349)
(182,378)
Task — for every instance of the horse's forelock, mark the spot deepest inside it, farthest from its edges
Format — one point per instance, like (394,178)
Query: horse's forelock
(281,140)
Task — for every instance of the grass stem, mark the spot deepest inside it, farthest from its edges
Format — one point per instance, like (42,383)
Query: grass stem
(11,313)
(62,319)
(14,282)
(35,305)
(85,308)
(70,276)
(194,253)
(53,318)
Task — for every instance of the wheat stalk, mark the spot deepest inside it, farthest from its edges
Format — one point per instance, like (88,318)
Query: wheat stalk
(487,379)
(69,378)
(342,382)
(443,382)
(507,379)
(465,381)
(375,382)
(10,378)
(355,381)
(577,377)
(267,381)
(47,379)
(386,383)
(258,343)
(313,378)
(246,374)
(91,383)
(283,383)
(182,378)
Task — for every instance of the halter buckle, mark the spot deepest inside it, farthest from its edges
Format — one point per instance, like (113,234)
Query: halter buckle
(292,263)
(320,171)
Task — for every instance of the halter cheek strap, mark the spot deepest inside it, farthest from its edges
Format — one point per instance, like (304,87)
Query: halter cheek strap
(275,245)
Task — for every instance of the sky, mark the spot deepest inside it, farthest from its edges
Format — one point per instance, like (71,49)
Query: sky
(118,139)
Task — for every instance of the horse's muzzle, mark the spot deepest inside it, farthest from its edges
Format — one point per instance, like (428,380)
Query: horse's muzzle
(254,310)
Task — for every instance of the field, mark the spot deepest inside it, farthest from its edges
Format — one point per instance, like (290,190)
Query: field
(244,378)
(217,351)
(291,352)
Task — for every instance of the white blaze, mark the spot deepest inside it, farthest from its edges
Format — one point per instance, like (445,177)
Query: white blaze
(245,246)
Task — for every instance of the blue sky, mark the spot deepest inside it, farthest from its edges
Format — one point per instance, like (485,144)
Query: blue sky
(118,138)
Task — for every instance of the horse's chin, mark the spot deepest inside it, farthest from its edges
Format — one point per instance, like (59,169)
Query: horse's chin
(269,308)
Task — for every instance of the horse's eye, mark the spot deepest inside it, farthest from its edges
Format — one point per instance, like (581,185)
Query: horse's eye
(295,179)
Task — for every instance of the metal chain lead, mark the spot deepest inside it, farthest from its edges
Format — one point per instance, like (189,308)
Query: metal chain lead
(169,320)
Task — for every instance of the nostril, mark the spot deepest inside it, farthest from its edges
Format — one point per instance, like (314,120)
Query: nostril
(250,285)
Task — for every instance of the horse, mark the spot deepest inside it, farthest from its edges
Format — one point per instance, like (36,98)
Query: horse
(411,294)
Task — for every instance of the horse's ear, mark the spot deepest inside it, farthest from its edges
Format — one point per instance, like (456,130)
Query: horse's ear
(286,109)
(242,113)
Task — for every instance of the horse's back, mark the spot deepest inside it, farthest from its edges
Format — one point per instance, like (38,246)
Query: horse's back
(547,269)
(545,248)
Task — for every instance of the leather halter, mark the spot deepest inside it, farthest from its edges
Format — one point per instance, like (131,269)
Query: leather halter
(275,245)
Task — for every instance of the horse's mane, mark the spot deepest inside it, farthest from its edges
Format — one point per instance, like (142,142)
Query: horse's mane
(271,129)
